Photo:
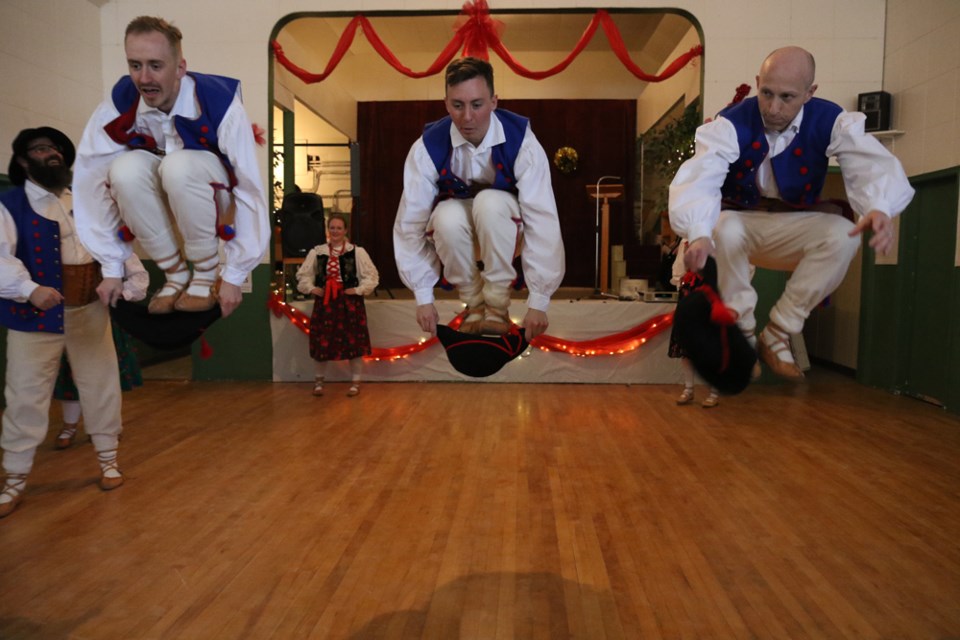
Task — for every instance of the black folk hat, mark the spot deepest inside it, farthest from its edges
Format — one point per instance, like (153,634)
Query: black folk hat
(710,338)
(167,331)
(480,356)
(16,173)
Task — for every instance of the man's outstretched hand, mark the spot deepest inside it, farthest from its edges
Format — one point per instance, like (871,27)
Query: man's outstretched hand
(881,226)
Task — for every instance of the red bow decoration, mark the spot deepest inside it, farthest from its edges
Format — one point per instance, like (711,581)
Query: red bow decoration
(691,280)
(477,29)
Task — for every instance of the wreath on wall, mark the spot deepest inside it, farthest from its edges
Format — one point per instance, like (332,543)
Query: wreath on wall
(565,159)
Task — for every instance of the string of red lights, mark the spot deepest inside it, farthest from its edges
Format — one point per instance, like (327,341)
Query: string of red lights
(614,344)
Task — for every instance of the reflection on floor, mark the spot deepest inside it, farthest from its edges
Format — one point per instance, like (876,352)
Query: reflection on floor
(176,369)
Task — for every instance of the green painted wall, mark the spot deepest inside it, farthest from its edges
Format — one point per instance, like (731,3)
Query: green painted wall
(910,313)
(769,285)
(242,344)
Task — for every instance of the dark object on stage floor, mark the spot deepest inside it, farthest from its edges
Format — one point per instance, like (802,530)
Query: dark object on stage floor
(480,356)
(302,224)
(711,340)
(167,331)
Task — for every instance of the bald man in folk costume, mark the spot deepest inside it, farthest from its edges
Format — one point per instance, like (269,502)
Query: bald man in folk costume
(751,195)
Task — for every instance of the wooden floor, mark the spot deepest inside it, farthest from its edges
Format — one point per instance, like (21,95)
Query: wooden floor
(253,510)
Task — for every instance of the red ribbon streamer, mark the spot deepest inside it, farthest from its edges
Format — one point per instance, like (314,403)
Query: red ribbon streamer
(332,290)
(721,316)
(476,31)
(613,344)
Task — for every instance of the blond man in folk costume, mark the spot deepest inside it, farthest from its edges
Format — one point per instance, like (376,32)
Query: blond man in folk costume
(172,146)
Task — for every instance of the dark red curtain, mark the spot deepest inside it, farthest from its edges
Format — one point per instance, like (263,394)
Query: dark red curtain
(602,131)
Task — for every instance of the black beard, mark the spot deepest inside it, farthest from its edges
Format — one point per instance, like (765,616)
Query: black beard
(52,177)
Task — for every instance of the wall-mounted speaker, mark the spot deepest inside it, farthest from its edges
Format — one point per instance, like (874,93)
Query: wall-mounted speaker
(876,106)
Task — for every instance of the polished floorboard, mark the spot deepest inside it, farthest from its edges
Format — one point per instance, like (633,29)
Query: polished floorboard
(491,511)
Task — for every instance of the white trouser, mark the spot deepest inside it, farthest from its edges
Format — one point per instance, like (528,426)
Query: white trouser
(815,246)
(488,223)
(33,361)
(187,184)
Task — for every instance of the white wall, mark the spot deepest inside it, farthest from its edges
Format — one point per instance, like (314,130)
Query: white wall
(922,72)
(50,66)
(339,107)
(846,37)
(658,97)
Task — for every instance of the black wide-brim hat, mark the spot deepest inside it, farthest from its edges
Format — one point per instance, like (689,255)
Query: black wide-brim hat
(480,356)
(167,331)
(720,353)
(17,173)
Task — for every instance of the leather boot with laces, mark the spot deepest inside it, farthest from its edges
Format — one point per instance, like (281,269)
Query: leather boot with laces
(773,347)
(12,493)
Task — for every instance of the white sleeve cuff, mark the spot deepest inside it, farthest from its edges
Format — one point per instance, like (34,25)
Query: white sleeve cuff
(424,296)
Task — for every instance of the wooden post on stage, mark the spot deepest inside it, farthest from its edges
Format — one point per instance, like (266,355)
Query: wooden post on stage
(603,193)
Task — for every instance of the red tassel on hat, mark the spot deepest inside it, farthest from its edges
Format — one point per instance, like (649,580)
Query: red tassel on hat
(719,313)
(205,349)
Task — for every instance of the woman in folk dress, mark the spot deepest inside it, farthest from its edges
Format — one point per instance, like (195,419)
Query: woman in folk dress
(338,274)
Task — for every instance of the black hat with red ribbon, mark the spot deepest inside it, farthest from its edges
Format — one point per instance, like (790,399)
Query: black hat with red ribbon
(707,332)
(168,331)
(480,356)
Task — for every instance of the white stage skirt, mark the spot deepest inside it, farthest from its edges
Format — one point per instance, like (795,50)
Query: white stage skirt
(393,324)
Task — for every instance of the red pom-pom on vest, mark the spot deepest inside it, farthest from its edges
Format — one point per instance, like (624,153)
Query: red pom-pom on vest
(226,231)
(125,234)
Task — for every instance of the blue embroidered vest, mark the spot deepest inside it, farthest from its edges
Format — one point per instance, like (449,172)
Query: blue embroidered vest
(800,169)
(436,138)
(38,248)
(214,95)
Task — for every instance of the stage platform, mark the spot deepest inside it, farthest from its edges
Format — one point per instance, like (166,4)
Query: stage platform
(393,324)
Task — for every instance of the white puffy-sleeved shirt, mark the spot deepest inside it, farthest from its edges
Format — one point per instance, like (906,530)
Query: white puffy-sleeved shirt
(542,256)
(873,177)
(97,213)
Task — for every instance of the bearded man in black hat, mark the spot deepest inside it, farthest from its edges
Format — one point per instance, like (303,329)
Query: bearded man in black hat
(49,304)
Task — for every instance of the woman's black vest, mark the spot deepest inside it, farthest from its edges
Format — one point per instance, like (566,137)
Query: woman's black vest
(348,270)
